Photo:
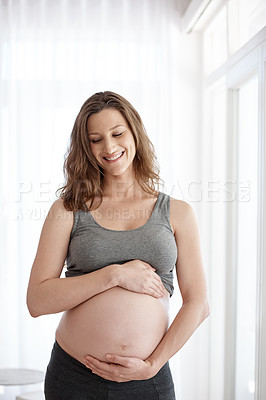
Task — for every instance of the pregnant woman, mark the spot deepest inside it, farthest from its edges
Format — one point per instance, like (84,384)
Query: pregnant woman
(121,239)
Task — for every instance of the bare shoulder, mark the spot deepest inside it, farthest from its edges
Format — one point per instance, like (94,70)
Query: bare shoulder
(58,205)
(59,219)
(58,223)
(182,215)
(179,208)
(59,212)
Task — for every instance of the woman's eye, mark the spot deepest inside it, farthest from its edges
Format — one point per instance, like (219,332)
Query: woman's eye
(98,140)
(95,140)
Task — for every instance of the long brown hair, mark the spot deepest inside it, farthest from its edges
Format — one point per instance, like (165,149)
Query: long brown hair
(83,176)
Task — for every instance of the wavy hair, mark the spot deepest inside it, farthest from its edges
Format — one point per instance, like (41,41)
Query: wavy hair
(83,176)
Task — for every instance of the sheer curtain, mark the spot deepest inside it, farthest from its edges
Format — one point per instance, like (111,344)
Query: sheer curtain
(54,55)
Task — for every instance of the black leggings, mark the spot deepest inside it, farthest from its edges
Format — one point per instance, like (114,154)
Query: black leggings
(68,379)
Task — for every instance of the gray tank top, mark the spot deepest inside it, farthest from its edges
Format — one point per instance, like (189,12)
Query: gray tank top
(92,246)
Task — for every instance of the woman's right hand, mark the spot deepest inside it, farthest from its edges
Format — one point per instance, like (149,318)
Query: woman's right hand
(139,276)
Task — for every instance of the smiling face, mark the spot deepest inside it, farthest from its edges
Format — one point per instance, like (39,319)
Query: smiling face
(111,141)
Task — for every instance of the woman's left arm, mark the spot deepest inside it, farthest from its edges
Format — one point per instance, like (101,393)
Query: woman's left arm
(192,284)
(194,310)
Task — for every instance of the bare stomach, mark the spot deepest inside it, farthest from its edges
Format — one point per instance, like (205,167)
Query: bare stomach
(115,321)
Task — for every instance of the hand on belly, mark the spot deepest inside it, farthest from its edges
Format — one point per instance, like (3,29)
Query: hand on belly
(120,369)
(116,321)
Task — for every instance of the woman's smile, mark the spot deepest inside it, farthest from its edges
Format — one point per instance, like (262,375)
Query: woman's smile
(114,157)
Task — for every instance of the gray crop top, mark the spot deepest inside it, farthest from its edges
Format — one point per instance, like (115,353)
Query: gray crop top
(92,246)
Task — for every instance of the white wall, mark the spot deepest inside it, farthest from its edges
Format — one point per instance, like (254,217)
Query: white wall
(53,56)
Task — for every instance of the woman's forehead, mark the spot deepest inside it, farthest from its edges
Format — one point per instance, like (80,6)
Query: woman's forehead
(106,120)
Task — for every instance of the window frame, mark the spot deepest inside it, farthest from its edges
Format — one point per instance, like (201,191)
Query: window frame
(250,59)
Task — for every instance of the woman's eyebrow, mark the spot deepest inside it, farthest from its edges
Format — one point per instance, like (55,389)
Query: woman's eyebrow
(114,127)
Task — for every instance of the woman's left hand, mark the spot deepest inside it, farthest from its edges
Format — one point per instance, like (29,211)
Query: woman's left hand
(120,369)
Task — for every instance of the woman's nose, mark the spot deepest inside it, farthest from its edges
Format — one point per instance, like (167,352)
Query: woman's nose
(109,145)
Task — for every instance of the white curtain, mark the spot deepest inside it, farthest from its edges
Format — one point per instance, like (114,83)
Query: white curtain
(53,56)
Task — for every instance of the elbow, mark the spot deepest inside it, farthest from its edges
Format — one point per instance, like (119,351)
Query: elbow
(33,314)
(33,310)
(200,307)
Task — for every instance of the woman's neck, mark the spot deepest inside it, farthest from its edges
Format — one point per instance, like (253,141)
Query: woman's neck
(121,188)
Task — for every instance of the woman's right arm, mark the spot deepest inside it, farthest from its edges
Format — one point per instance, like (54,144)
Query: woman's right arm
(47,292)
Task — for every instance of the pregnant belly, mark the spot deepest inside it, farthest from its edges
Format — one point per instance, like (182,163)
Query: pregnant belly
(115,321)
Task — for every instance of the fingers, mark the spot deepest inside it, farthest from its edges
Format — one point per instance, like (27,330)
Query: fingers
(154,290)
(157,280)
(157,293)
(154,293)
(155,284)
(116,359)
(113,378)
(155,277)
(107,371)
(146,280)
(158,283)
